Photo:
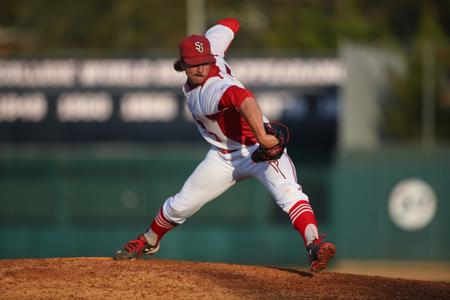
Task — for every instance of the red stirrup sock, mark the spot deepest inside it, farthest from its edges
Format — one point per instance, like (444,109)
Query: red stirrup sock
(304,221)
(159,227)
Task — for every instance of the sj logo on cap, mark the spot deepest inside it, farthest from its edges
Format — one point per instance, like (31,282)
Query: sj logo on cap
(199,46)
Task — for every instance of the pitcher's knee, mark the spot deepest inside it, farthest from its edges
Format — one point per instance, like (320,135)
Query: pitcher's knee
(286,195)
(175,211)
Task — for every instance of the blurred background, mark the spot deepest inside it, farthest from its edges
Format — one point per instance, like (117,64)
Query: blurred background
(94,132)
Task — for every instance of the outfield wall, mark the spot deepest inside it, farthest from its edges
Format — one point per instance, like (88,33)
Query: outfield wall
(362,184)
(88,201)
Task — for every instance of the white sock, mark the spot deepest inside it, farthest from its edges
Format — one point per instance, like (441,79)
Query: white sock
(151,237)
(311,233)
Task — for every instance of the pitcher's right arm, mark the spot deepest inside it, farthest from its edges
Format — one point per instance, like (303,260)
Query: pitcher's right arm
(220,37)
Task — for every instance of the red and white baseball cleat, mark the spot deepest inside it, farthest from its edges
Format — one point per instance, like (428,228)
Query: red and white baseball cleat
(320,253)
(136,249)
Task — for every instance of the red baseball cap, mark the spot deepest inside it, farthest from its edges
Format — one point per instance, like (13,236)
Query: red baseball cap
(196,50)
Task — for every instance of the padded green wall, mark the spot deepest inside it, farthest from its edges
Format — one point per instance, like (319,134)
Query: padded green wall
(58,201)
(361,185)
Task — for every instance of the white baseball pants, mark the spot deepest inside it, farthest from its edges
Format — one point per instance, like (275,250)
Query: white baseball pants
(218,172)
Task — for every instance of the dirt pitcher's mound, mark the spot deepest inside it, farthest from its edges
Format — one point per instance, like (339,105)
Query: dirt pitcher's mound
(95,278)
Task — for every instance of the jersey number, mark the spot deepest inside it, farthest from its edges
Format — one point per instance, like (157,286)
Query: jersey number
(209,132)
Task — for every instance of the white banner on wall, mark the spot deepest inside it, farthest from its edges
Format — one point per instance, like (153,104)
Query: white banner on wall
(66,73)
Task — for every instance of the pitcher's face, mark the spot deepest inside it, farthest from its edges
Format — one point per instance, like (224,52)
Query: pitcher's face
(197,74)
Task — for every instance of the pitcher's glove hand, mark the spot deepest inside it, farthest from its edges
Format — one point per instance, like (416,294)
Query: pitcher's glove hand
(281,132)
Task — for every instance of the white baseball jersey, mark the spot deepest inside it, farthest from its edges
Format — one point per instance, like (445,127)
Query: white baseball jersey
(224,127)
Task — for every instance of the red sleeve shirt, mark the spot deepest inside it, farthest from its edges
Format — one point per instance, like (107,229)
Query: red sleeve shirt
(233,97)
(231,23)
(232,124)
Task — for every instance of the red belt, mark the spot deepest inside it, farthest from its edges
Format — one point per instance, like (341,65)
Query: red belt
(226,151)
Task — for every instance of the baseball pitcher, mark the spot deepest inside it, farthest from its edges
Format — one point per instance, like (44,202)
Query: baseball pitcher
(244,144)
